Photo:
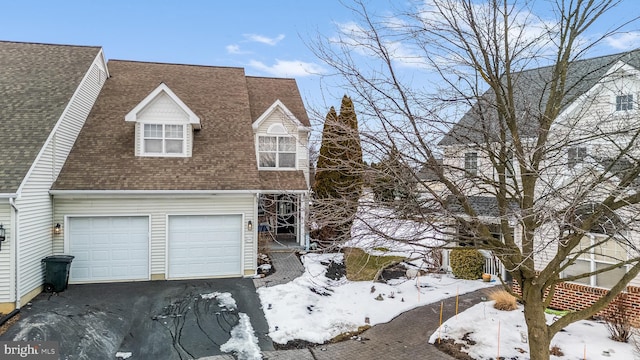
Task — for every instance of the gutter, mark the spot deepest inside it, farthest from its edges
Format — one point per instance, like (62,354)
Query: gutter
(169,192)
(16,252)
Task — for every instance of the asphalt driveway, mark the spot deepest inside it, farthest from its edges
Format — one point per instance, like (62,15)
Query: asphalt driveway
(150,320)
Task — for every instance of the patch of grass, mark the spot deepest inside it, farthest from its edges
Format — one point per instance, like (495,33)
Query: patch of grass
(556,312)
(503,300)
(381,249)
(366,267)
(348,335)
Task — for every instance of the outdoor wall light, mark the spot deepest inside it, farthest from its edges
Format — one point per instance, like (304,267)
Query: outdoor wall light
(2,232)
(57,229)
(250,225)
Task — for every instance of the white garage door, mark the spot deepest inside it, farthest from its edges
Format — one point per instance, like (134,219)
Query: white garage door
(205,245)
(109,248)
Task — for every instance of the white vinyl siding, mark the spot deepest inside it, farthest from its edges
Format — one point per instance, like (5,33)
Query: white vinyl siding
(35,224)
(159,208)
(7,289)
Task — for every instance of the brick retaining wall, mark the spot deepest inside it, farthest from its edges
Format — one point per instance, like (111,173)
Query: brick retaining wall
(572,296)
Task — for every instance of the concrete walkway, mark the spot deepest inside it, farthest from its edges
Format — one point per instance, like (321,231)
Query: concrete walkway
(404,337)
(287,267)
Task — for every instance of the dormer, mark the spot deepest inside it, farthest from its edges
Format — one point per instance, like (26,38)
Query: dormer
(281,140)
(164,125)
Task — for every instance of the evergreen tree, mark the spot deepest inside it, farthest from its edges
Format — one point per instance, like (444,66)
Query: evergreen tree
(338,180)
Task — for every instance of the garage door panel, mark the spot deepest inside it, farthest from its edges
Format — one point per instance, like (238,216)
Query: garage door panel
(205,245)
(110,248)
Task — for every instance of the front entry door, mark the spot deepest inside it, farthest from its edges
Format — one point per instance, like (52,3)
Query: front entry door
(286,215)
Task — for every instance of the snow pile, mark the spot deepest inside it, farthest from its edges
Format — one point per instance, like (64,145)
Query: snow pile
(243,342)
(315,308)
(225,300)
(483,324)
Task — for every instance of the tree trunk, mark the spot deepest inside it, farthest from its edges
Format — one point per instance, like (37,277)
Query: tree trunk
(538,333)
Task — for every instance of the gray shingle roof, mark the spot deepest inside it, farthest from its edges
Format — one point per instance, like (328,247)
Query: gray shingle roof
(223,157)
(528,86)
(482,205)
(36,84)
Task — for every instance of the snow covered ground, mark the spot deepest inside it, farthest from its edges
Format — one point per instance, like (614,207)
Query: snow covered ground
(315,308)
(483,324)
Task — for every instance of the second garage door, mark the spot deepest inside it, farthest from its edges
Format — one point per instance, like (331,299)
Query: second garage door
(205,246)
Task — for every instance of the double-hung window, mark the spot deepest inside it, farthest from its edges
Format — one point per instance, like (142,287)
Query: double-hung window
(471,164)
(624,102)
(576,155)
(163,139)
(277,152)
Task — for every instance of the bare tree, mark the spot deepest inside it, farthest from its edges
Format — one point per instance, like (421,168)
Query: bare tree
(500,105)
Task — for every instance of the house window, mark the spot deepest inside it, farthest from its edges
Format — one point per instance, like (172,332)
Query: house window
(163,139)
(277,152)
(509,165)
(471,164)
(606,252)
(576,155)
(624,102)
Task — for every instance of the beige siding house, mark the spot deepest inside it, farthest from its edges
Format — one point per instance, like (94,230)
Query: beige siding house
(150,171)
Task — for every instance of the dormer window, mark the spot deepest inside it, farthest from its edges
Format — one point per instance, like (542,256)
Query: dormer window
(164,125)
(164,139)
(278,135)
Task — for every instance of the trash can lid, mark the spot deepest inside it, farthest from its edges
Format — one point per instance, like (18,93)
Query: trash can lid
(58,258)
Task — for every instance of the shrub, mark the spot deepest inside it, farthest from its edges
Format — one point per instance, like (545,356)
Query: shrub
(503,300)
(556,351)
(466,263)
(618,320)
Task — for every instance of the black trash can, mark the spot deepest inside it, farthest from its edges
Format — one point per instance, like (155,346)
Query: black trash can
(56,275)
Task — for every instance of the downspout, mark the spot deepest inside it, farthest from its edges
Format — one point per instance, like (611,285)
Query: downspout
(256,226)
(16,251)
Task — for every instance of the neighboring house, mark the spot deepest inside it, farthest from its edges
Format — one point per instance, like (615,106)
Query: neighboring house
(603,98)
(165,178)
(46,93)
(428,183)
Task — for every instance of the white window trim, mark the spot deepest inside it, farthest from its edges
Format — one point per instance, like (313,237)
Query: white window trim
(183,153)
(593,279)
(468,171)
(277,167)
(624,111)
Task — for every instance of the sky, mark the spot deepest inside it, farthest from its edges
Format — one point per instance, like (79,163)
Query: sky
(267,38)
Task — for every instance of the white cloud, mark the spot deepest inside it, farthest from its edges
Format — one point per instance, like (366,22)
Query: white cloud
(264,39)
(235,49)
(624,41)
(284,68)
(360,40)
